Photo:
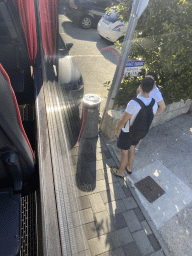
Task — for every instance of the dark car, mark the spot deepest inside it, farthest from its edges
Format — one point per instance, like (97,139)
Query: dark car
(87,13)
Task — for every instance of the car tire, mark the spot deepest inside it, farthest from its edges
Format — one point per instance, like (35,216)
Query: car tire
(121,39)
(86,22)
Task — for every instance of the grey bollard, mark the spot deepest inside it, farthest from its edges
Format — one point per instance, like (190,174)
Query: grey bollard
(91,104)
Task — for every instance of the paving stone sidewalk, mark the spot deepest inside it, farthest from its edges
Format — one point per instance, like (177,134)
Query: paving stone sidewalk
(113,221)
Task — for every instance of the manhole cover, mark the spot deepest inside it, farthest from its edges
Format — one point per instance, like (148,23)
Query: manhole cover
(149,188)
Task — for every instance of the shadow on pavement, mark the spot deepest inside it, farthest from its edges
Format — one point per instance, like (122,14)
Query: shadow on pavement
(86,174)
(110,54)
(73,30)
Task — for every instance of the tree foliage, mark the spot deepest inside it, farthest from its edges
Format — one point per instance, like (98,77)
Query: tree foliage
(163,38)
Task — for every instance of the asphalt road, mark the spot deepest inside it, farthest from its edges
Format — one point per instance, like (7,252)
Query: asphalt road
(92,54)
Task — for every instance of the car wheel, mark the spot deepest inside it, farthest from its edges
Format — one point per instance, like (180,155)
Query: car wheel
(86,22)
(121,39)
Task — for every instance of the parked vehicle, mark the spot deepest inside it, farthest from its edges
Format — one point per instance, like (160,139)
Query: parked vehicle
(111,28)
(69,75)
(87,13)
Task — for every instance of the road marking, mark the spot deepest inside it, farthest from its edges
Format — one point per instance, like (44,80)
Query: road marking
(177,194)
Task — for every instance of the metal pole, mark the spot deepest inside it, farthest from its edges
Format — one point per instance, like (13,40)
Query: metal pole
(136,11)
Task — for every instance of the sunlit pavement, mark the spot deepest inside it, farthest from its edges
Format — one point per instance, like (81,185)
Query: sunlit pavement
(165,156)
(109,219)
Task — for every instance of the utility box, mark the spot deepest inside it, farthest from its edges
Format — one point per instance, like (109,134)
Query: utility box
(91,106)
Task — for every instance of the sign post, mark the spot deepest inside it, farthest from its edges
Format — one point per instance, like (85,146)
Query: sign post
(138,6)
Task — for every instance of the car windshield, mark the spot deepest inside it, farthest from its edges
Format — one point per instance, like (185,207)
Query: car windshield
(111,17)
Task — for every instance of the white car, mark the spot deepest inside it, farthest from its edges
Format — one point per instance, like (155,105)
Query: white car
(111,28)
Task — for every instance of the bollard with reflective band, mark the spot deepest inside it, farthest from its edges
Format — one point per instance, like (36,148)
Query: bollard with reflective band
(91,105)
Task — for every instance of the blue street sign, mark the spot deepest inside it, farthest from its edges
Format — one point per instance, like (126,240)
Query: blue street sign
(133,67)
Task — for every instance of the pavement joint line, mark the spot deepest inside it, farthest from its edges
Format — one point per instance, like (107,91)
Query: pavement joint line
(143,210)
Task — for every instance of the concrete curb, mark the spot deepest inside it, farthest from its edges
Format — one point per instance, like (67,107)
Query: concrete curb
(143,210)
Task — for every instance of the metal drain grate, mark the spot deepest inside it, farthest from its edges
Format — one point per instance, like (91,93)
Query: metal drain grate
(28,233)
(149,188)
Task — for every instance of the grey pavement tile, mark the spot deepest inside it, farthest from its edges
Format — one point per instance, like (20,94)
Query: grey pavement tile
(99,175)
(159,253)
(92,230)
(101,185)
(85,147)
(90,157)
(85,253)
(131,249)
(114,192)
(122,181)
(84,202)
(84,175)
(76,219)
(126,190)
(139,214)
(80,238)
(87,215)
(74,201)
(85,189)
(106,196)
(117,191)
(107,154)
(98,165)
(100,244)
(115,252)
(109,177)
(107,169)
(146,227)
(82,161)
(155,244)
(100,156)
(118,221)
(121,237)
(97,150)
(132,221)
(97,202)
(82,217)
(130,203)
(109,162)
(104,221)
(115,207)
(72,172)
(142,242)
(102,145)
